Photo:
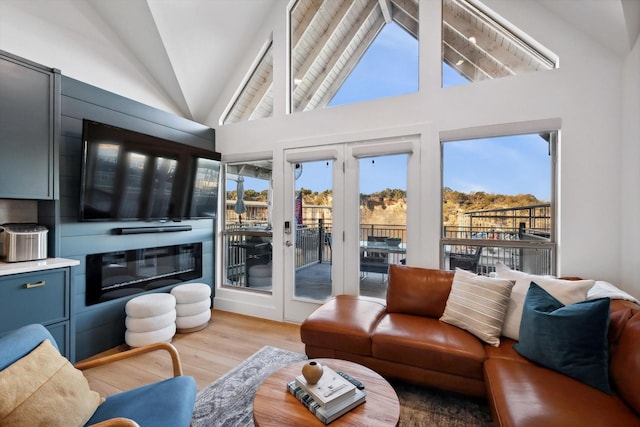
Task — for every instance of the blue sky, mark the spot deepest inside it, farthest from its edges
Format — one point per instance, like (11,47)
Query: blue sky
(507,165)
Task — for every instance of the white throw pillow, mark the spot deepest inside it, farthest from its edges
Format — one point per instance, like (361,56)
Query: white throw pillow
(602,289)
(478,305)
(566,291)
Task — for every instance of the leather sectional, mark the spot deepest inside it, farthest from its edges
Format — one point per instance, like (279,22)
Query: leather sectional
(405,339)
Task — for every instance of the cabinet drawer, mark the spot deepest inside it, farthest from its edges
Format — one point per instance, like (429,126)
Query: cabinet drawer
(60,332)
(41,297)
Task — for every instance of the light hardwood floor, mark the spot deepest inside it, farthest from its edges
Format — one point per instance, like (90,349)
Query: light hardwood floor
(206,355)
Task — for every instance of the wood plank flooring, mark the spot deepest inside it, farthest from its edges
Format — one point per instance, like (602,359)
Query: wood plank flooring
(206,355)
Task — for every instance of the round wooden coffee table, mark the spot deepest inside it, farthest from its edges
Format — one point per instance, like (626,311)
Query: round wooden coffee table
(275,406)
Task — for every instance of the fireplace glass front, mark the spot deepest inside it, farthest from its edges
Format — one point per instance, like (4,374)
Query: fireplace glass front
(117,274)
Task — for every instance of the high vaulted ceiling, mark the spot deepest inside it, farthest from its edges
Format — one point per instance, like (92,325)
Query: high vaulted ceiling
(328,39)
(191,49)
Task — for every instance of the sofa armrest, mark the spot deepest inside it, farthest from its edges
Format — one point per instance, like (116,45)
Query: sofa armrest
(173,353)
(344,323)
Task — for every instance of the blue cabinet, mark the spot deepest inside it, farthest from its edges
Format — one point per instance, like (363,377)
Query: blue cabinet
(29,99)
(39,297)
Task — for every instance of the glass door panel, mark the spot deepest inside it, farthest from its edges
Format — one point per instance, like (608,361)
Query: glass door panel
(313,228)
(313,206)
(382,219)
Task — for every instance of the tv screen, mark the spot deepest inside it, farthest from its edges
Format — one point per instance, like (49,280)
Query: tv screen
(204,183)
(128,175)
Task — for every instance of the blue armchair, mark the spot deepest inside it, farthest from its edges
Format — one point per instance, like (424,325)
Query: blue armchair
(165,403)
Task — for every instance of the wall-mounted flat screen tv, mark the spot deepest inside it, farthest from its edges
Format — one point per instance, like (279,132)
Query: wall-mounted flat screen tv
(128,175)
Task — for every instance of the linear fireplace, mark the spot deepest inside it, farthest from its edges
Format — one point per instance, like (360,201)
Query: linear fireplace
(117,274)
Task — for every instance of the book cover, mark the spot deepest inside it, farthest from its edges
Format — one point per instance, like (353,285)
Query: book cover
(329,390)
(323,414)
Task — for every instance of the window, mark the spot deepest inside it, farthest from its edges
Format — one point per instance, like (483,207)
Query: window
(478,45)
(351,51)
(497,203)
(255,99)
(247,234)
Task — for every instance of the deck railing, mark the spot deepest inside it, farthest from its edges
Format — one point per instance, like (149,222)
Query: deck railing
(522,241)
(520,237)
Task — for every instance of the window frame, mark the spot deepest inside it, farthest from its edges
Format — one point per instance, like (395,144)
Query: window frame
(549,245)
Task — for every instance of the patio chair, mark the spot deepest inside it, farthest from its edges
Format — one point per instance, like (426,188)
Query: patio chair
(466,261)
(40,387)
(372,261)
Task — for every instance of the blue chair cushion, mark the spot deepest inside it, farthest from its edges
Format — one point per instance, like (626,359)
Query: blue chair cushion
(165,403)
(20,342)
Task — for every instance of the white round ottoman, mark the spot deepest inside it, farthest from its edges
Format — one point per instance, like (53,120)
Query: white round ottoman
(150,319)
(193,306)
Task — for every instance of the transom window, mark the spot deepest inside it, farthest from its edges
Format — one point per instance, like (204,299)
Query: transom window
(480,46)
(350,51)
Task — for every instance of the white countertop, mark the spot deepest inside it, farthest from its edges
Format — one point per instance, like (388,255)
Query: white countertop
(7,268)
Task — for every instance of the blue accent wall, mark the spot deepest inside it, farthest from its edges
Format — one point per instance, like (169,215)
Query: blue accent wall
(100,327)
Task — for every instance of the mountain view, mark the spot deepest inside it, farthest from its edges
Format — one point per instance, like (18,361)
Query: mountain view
(390,207)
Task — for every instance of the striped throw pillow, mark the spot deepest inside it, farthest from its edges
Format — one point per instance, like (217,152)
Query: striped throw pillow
(478,304)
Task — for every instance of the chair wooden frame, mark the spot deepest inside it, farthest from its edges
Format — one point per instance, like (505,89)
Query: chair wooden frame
(173,352)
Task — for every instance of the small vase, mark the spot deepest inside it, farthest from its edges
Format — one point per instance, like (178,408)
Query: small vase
(312,372)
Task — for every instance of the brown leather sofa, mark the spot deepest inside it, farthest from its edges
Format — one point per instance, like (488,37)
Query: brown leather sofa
(405,339)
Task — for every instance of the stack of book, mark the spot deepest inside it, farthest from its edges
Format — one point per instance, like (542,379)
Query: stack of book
(331,397)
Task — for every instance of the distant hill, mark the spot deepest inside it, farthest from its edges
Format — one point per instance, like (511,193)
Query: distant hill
(390,206)
(457,203)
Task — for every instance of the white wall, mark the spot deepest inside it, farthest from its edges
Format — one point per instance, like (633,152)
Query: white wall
(583,96)
(592,97)
(68,35)
(630,172)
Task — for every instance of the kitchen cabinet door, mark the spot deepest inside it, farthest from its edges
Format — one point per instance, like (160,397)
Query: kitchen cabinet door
(27,129)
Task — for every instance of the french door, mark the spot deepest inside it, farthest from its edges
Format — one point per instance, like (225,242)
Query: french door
(313,229)
(323,223)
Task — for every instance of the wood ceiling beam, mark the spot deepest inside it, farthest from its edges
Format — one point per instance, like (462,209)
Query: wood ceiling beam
(326,60)
(358,49)
(321,44)
(385,8)
(302,15)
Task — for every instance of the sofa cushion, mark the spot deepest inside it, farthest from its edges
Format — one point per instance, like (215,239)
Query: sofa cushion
(527,395)
(344,323)
(419,291)
(478,304)
(570,339)
(43,388)
(428,343)
(567,291)
(625,363)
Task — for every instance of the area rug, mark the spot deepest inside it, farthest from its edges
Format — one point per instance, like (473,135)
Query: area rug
(228,401)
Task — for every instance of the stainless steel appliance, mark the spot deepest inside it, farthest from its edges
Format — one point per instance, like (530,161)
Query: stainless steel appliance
(23,242)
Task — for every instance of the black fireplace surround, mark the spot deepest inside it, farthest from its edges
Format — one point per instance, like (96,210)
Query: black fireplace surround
(118,274)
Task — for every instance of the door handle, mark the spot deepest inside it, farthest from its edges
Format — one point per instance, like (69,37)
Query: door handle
(288,243)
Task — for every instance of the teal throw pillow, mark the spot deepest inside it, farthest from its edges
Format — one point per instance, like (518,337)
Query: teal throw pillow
(570,339)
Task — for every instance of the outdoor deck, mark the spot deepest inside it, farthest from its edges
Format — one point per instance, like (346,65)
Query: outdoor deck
(313,282)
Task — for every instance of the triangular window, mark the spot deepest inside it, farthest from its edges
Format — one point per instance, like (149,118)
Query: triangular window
(255,99)
(480,45)
(388,68)
(347,51)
